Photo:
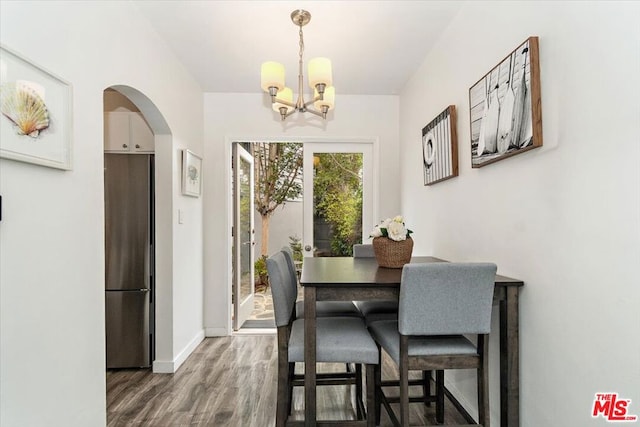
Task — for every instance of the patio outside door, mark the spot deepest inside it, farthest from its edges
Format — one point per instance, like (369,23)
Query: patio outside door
(243,236)
(342,174)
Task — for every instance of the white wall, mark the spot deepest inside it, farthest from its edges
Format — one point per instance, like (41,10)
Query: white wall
(52,364)
(286,221)
(232,116)
(565,218)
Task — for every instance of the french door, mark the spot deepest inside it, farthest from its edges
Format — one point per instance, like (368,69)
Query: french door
(243,236)
(338,184)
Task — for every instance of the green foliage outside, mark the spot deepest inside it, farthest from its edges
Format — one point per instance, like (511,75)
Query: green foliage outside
(295,243)
(278,175)
(337,190)
(278,178)
(261,274)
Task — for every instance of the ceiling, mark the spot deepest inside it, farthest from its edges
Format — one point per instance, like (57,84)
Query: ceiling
(374,46)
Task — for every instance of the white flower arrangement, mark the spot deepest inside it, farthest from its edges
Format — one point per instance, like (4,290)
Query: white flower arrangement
(393,228)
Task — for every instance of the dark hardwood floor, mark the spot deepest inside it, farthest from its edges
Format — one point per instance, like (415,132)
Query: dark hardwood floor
(230,381)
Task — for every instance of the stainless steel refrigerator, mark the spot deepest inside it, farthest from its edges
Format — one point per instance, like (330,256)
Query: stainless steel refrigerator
(129,264)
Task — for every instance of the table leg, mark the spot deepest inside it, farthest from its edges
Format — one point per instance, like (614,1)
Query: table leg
(309,356)
(509,360)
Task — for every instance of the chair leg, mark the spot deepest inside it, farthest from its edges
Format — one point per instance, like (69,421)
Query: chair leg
(359,414)
(440,396)
(483,381)
(378,386)
(371,395)
(292,372)
(404,396)
(404,380)
(426,387)
(284,387)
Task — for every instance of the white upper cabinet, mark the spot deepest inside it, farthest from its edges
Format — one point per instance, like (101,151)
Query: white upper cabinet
(127,132)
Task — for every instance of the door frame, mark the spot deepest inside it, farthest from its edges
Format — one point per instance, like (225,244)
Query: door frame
(241,312)
(228,155)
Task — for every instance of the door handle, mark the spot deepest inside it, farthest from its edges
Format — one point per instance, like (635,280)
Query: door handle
(307,248)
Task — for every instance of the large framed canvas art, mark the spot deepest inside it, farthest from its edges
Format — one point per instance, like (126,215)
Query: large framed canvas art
(505,107)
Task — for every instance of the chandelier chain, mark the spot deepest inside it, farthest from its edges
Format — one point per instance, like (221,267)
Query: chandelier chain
(301,43)
(300,102)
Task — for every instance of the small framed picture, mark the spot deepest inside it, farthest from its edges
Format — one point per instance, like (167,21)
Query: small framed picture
(440,147)
(35,125)
(191,174)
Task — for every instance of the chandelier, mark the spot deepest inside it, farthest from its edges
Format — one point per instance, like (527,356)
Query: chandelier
(272,79)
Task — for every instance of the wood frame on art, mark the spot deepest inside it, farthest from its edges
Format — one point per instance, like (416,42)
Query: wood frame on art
(440,147)
(505,107)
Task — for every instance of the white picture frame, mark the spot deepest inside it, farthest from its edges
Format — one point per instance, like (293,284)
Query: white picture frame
(191,174)
(36,119)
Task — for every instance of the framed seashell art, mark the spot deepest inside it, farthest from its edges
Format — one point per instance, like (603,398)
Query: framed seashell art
(35,124)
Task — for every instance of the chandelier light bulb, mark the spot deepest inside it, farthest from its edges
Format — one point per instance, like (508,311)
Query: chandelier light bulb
(327,102)
(272,75)
(285,94)
(320,72)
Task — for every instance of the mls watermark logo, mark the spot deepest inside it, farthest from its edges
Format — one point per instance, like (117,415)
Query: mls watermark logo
(612,408)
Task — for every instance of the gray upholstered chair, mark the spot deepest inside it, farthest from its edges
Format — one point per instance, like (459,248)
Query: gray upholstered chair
(363,251)
(338,340)
(323,308)
(439,304)
(373,310)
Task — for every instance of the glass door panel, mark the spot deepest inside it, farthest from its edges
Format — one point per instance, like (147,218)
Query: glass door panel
(243,234)
(338,197)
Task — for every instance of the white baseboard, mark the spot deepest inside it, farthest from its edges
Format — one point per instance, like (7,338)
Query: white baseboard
(256,331)
(470,402)
(216,332)
(163,367)
(470,406)
(170,367)
(182,356)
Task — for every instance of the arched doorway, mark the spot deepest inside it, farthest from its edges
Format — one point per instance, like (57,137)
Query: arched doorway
(121,98)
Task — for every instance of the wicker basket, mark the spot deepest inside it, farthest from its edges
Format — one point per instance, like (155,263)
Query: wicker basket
(392,254)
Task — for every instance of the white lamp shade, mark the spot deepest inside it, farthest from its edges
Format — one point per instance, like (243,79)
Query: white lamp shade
(329,98)
(272,75)
(285,94)
(320,72)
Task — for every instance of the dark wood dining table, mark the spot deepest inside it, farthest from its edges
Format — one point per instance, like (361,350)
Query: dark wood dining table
(361,279)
